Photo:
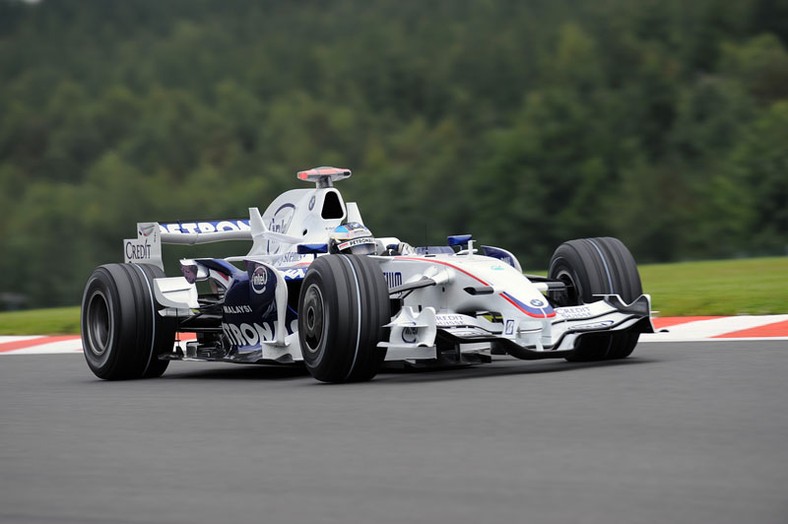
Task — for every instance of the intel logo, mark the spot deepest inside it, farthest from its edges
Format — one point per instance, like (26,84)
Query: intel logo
(259,280)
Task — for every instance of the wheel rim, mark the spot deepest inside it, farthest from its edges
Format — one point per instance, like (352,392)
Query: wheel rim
(314,318)
(99,324)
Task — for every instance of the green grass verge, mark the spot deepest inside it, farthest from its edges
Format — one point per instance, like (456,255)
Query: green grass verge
(56,321)
(757,286)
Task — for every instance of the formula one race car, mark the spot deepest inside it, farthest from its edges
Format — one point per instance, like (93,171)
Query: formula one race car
(317,287)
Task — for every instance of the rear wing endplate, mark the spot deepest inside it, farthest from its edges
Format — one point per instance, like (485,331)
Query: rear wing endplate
(146,248)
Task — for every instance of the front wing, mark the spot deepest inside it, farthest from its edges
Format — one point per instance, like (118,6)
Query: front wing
(418,335)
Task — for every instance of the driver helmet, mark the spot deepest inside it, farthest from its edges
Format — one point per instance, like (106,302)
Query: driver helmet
(352,239)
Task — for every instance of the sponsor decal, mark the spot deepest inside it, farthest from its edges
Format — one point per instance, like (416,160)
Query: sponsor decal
(468,332)
(136,250)
(450,320)
(355,242)
(280,222)
(237,310)
(294,274)
(393,279)
(410,335)
(205,227)
(312,203)
(146,247)
(602,324)
(509,330)
(537,303)
(497,268)
(244,335)
(574,312)
(287,258)
(544,311)
(145,230)
(259,279)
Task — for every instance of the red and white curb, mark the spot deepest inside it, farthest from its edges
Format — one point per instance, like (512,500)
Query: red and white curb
(48,345)
(688,329)
(40,345)
(669,329)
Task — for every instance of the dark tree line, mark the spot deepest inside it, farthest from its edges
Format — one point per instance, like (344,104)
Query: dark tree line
(662,122)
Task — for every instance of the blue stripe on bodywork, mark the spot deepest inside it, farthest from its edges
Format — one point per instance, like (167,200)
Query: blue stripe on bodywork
(531,311)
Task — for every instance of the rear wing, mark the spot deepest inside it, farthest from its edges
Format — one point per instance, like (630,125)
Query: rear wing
(146,248)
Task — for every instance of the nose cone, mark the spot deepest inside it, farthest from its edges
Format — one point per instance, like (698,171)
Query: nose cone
(511,286)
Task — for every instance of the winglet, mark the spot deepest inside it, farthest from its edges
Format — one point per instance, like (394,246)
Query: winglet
(261,234)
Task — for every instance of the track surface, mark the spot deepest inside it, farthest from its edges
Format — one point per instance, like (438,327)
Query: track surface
(693,432)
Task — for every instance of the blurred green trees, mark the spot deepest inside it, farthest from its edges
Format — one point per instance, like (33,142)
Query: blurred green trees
(662,122)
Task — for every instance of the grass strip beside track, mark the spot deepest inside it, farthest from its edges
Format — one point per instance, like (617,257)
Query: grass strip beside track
(54,321)
(757,286)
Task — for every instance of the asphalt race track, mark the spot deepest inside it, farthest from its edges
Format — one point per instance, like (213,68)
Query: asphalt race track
(679,433)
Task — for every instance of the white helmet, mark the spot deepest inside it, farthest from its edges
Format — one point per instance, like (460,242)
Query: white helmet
(352,239)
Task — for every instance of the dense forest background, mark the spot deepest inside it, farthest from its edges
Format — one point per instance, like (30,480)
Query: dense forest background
(525,122)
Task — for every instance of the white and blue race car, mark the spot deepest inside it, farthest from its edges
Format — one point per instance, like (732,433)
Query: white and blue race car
(318,288)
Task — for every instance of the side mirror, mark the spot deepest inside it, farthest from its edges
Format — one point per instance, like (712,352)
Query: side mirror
(459,240)
(312,249)
(193,271)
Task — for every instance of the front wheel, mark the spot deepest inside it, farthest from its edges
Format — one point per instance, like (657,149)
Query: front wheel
(597,266)
(343,307)
(122,333)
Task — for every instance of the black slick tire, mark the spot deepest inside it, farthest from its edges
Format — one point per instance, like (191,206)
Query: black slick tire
(342,308)
(122,334)
(592,266)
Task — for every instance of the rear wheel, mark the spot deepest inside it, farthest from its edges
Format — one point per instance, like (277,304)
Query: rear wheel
(122,333)
(594,266)
(343,307)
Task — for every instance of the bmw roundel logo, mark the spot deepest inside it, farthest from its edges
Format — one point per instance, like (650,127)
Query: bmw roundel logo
(537,303)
